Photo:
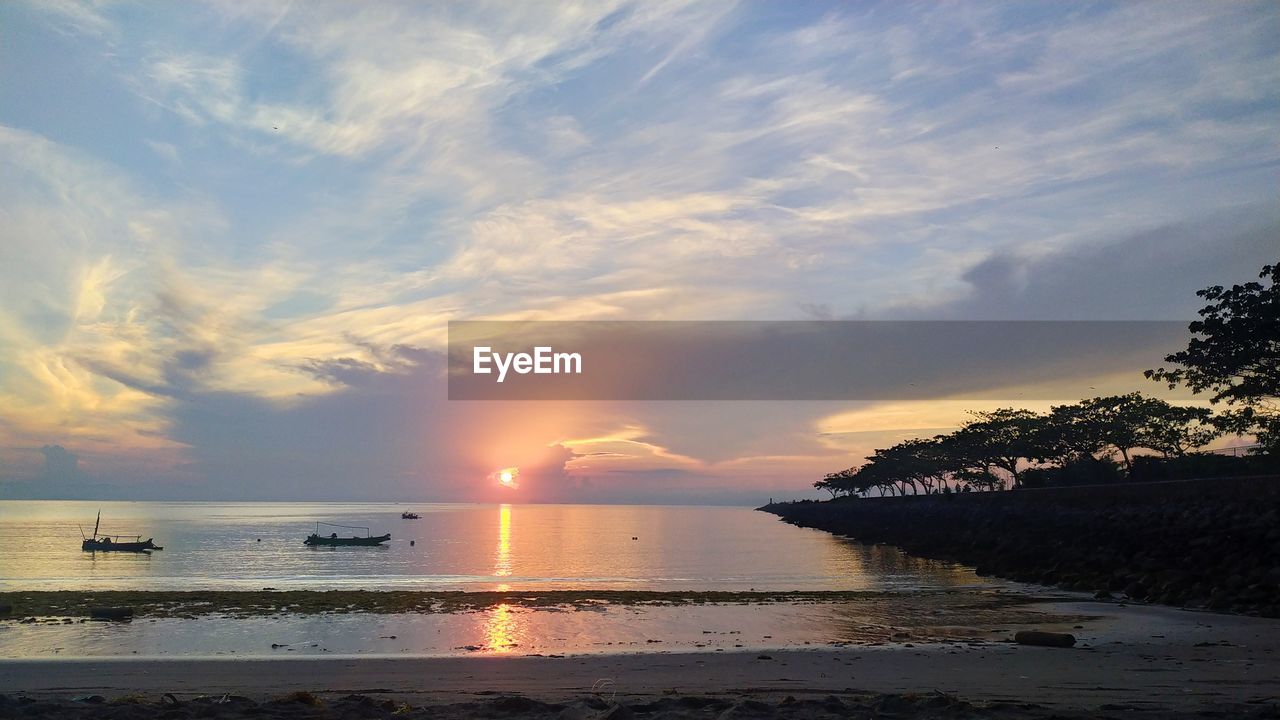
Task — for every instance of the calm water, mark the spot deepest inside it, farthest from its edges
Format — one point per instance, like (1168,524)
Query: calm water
(456,547)
(481,547)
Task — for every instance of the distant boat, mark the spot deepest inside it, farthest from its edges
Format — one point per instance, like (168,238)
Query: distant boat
(113,543)
(315,539)
(410,516)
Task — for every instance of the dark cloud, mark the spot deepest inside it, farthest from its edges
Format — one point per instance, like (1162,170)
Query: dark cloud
(61,477)
(354,372)
(127,377)
(1152,275)
(375,438)
(340,371)
(60,465)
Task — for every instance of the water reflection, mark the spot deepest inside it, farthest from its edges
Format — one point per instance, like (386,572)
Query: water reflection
(935,615)
(249,546)
(216,546)
(879,567)
(503,555)
(502,629)
(500,626)
(508,630)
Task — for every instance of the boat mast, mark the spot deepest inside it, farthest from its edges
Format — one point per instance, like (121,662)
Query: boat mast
(96,523)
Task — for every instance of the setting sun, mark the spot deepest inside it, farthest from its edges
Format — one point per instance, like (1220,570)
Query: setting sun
(507,477)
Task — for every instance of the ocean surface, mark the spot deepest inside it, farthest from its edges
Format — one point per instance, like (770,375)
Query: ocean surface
(249,546)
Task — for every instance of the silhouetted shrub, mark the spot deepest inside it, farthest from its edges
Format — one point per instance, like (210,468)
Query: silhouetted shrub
(1201,465)
(1082,471)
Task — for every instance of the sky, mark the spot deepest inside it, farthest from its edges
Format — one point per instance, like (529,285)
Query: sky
(232,234)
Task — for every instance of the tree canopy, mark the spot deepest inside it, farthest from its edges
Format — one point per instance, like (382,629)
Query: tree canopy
(1235,355)
(996,449)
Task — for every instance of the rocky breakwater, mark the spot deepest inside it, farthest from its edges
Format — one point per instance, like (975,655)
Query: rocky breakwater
(1211,544)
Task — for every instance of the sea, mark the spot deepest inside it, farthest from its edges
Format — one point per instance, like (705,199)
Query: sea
(470,547)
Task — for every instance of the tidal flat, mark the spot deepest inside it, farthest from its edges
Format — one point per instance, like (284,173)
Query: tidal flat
(1131,661)
(237,603)
(341,622)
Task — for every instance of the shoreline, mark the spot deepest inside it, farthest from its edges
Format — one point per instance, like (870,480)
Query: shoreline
(1146,657)
(1203,544)
(474,626)
(1233,666)
(248,603)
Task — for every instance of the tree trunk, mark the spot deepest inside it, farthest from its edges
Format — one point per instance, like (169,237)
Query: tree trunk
(1012,469)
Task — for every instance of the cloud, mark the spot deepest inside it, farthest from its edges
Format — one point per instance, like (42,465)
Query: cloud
(398,434)
(74,234)
(76,17)
(59,465)
(1150,275)
(270,211)
(697,24)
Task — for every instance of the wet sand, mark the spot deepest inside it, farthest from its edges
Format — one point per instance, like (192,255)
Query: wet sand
(283,624)
(241,603)
(306,706)
(1152,658)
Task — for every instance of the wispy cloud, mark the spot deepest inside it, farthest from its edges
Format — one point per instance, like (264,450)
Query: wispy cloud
(276,201)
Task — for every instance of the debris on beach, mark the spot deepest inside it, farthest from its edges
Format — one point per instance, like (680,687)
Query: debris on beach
(111,613)
(1044,639)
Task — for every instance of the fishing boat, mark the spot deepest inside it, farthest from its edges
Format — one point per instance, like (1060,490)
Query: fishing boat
(115,543)
(410,516)
(315,539)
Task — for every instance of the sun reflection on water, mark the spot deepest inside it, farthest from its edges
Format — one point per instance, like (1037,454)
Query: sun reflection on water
(502,625)
(501,629)
(503,555)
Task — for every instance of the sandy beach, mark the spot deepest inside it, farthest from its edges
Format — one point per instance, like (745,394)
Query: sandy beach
(1131,658)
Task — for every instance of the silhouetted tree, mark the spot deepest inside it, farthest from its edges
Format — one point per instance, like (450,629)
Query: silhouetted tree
(874,475)
(1173,430)
(917,463)
(837,483)
(1117,421)
(966,459)
(1235,354)
(1000,439)
(1065,436)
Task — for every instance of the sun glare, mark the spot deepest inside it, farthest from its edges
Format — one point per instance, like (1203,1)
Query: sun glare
(507,477)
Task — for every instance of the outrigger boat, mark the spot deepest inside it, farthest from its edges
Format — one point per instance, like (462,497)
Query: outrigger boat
(113,543)
(315,539)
